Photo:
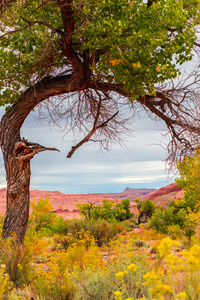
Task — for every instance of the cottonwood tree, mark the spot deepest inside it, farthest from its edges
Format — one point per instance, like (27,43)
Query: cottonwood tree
(87,60)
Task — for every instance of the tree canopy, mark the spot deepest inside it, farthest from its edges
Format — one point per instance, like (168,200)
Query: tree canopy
(119,41)
(128,47)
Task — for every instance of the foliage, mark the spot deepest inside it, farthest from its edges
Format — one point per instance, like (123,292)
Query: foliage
(142,50)
(175,222)
(6,286)
(41,215)
(189,181)
(107,211)
(182,214)
(125,268)
(146,208)
(19,262)
(101,230)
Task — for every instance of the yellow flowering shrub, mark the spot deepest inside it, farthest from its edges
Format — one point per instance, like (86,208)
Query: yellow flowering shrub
(117,295)
(166,245)
(51,283)
(174,263)
(156,287)
(132,268)
(6,286)
(181,296)
(192,257)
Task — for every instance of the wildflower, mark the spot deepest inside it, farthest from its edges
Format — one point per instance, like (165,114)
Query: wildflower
(119,275)
(181,296)
(165,246)
(132,268)
(117,295)
(150,278)
(159,289)
(137,283)
(158,69)
(3,266)
(192,258)
(174,263)
(19,266)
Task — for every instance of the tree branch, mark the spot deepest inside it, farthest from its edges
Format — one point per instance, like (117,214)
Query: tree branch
(90,134)
(25,150)
(68,23)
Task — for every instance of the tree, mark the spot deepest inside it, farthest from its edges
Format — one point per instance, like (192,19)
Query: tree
(108,210)
(146,209)
(189,181)
(87,60)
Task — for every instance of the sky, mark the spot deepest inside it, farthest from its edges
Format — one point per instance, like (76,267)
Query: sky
(138,165)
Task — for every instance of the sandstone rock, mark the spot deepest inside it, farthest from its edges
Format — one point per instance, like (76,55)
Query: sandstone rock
(163,191)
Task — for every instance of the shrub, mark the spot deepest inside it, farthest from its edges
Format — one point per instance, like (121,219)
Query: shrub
(53,284)
(44,221)
(174,218)
(17,261)
(6,286)
(41,215)
(101,230)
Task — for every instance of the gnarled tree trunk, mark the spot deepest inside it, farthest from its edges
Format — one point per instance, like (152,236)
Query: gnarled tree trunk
(18,181)
(18,152)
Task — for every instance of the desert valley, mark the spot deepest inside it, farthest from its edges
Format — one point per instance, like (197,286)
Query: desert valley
(64,204)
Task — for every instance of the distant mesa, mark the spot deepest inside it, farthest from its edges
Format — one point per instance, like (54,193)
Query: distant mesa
(129,193)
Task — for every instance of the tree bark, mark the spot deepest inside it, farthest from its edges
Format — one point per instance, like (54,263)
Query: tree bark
(18,181)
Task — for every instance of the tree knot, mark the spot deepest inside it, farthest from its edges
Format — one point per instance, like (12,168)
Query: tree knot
(23,151)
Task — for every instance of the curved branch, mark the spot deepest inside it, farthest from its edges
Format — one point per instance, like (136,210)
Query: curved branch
(47,87)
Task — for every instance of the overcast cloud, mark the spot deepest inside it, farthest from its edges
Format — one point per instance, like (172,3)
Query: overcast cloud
(140,165)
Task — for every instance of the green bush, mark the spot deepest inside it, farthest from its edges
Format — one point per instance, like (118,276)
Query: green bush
(107,211)
(44,221)
(168,221)
(146,209)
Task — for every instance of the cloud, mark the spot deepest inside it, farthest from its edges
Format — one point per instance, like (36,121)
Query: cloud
(138,165)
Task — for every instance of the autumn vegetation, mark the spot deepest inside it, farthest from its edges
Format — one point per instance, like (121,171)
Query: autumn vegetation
(108,254)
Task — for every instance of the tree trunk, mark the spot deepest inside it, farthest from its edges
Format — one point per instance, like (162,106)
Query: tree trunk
(18,181)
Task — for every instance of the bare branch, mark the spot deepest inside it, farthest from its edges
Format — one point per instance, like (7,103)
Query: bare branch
(95,127)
